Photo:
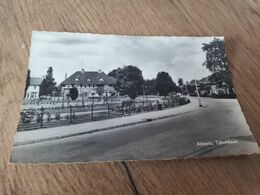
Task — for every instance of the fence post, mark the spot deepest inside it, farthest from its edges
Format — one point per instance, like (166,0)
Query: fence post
(92,117)
(70,114)
(127,108)
(143,105)
(41,116)
(108,110)
(83,103)
(122,108)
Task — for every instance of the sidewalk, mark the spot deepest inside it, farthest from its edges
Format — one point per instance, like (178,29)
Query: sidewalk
(41,135)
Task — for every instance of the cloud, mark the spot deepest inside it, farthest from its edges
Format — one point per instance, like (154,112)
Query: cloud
(69,52)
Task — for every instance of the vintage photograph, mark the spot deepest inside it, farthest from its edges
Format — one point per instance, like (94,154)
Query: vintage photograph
(95,98)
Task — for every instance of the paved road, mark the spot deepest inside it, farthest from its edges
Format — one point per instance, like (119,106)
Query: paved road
(221,126)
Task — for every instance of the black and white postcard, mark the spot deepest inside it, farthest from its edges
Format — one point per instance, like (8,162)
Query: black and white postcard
(95,98)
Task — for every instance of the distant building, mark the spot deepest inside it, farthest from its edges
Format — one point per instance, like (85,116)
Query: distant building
(33,90)
(89,84)
(210,88)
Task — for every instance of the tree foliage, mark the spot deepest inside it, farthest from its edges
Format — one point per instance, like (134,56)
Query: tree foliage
(100,90)
(180,82)
(114,72)
(129,80)
(216,61)
(74,93)
(150,87)
(164,84)
(48,85)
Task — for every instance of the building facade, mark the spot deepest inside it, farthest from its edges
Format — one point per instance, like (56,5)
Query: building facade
(89,84)
(33,90)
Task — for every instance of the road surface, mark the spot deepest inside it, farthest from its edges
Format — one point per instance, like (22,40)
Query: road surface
(217,129)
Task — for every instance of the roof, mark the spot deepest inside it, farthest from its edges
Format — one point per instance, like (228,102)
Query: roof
(88,78)
(204,80)
(36,81)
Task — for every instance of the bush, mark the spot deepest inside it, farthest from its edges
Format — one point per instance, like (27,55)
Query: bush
(183,100)
(67,117)
(57,116)
(38,117)
(159,106)
(138,110)
(73,115)
(48,116)
(233,96)
(25,118)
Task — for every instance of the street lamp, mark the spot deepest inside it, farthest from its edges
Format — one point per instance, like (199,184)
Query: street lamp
(198,94)
(196,85)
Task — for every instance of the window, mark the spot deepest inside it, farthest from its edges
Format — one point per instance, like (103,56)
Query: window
(33,94)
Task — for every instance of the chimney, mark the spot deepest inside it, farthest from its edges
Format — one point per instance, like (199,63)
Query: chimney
(65,76)
(99,71)
(82,70)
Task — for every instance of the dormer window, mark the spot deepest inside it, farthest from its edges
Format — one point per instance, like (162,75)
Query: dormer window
(101,80)
(77,78)
(88,80)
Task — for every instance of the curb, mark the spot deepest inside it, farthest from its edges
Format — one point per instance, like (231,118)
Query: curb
(100,130)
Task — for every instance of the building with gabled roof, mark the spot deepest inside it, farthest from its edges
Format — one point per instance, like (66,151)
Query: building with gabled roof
(89,83)
(33,90)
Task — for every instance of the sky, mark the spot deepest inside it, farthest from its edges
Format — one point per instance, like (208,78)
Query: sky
(181,57)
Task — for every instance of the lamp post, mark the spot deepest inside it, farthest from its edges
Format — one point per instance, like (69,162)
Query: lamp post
(196,85)
(198,94)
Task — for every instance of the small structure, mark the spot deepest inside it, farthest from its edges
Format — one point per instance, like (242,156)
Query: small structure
(33,90)
(89,84)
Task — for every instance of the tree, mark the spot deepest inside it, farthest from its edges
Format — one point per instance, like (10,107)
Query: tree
(114,72)
(191,89)
(164,84)
(216,62)
(180,85)
(28,78)
(129,80)
(43,88)
(216,59)
(48,85)
(180,82)
(100,90)
(73,93)
(150,87)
